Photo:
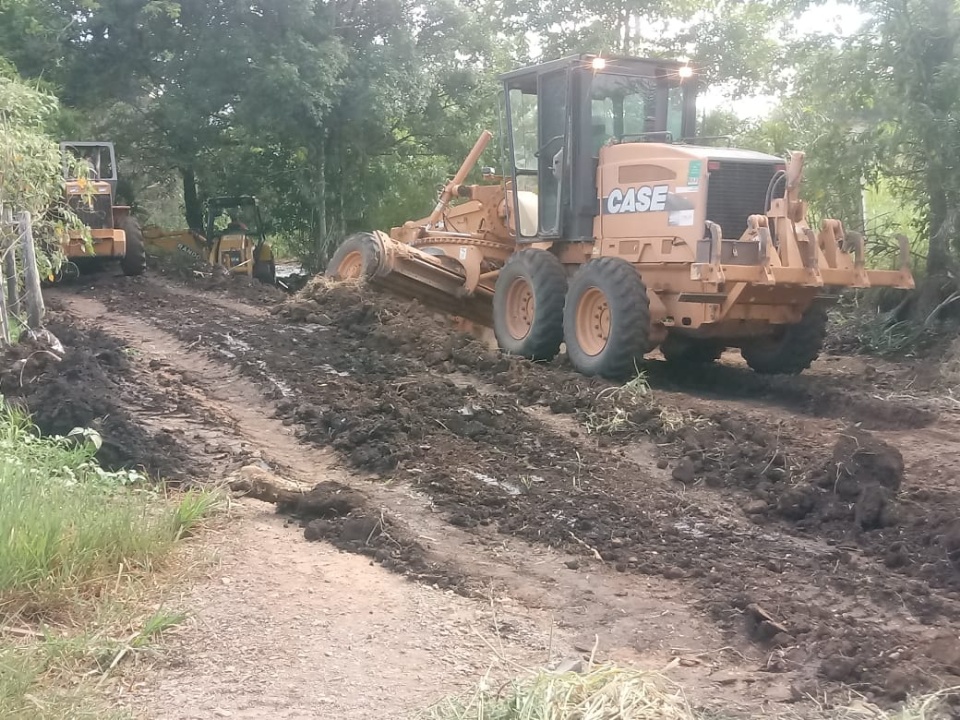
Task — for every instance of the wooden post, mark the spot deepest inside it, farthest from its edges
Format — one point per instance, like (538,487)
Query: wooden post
(10,277)
(34,297)
(4,320)
(7,244)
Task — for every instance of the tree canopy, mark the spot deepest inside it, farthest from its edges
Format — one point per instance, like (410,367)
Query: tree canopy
(344,115)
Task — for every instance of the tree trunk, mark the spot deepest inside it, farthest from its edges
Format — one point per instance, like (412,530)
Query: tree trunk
(937,281)
(318,163)
(193,208)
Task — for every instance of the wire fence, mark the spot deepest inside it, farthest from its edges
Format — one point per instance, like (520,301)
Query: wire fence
(21,299)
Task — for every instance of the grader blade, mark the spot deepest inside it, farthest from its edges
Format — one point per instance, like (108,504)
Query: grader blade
(405,271)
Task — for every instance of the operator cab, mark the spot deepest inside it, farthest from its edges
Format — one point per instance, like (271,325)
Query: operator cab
(90,172)
(237,238)
(98,157)
(559,115)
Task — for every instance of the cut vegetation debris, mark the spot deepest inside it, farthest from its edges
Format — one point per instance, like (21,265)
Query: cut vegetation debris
(608,692)
(604,692)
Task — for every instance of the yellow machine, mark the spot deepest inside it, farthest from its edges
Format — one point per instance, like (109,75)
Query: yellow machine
(615,232)
(240,247)
(114,232)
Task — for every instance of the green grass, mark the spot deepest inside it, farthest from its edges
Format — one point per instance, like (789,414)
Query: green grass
(67,527)
(78,545)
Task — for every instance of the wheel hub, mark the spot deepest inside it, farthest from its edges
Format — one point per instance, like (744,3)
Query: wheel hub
(521,308)
(351,267)
(593,321)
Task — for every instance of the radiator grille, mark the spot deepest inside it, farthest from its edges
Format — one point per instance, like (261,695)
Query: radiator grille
(736,191)
(98,215)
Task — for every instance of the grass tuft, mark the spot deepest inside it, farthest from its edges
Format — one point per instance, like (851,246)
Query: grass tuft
(609,692)
(604,692)
(77,544)
(68,528)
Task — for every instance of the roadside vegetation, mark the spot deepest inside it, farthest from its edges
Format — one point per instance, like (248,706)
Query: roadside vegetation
(609,692)
(81,549)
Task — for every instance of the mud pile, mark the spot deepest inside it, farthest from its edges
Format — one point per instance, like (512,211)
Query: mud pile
(793,529)
(345,518)
(83,390)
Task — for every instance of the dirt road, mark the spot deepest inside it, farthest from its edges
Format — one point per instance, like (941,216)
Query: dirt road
(768,539)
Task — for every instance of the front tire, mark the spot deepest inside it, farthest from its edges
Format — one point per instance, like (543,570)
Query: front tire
(357,258)
(528,305)
(606,321)
(793,350)
(265,271)
(134,261)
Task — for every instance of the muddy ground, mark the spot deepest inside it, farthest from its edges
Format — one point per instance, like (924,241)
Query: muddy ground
(814,520)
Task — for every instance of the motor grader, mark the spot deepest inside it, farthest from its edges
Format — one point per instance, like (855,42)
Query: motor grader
(614,231)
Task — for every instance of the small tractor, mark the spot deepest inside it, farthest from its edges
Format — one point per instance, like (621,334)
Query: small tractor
(240,247)
(114,233)
(614,232)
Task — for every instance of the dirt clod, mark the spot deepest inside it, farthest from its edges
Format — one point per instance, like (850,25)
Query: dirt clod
(860,459)
(797,503)
(839,669)
(685,471)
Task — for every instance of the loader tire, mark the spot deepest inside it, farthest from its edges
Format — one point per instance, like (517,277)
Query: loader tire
(357,258)
(793,350)
(679,350)
(265,271)
(606,321)
(134,262)
(528,305)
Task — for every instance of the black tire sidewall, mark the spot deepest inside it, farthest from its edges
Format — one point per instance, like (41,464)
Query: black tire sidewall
(629,309)
(265,271)
(366,245)
(134,260)
(794,351)
(548,282)
(691,350)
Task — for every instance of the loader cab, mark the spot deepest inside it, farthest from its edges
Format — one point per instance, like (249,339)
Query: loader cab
(90,182)
(558,116)
(236,237)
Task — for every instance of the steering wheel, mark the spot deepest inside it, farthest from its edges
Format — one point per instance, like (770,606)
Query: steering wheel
(547,144)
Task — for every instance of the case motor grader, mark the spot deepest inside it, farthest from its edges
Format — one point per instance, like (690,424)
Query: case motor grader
(615,231)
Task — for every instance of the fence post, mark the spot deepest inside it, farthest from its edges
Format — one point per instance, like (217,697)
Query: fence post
(9,249)
(7,243)
(34,297)
(4,320)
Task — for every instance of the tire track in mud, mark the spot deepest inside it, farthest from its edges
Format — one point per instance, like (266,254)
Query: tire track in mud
(634,618)
(362,378)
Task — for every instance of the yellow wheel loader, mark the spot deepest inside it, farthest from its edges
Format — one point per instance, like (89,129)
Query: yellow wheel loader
(614,231)
(114,233)
(234,239)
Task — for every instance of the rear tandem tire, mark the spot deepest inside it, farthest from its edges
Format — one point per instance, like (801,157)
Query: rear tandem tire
(794,350)
(606,321)
(134,262)
(528,305)
(357,258)
(688,351)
